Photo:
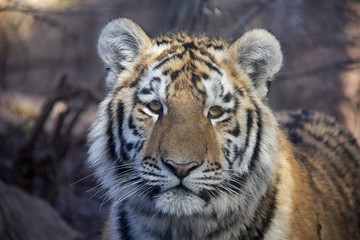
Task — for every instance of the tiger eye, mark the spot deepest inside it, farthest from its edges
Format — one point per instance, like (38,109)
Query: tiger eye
(155,106)
(215,112)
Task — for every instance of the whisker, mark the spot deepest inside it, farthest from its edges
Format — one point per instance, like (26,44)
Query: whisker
(119,167)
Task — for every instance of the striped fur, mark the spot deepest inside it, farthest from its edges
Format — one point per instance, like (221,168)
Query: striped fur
(176,167)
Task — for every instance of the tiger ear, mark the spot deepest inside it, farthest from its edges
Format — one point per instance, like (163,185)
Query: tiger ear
(259,56)
(119,44)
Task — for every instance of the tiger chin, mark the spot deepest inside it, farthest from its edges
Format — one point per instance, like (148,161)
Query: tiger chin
(187,147)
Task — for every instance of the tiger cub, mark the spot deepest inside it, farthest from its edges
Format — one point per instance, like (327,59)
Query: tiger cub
(188,149)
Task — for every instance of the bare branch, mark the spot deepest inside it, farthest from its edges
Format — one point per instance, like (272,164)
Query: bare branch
(325,69)
(244,21)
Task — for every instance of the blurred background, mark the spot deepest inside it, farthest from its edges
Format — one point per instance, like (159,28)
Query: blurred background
(51,79)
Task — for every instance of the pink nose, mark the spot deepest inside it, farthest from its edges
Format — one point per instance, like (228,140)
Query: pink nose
(183,169)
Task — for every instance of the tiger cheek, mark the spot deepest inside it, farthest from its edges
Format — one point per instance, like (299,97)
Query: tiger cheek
(213,154)
(154,137)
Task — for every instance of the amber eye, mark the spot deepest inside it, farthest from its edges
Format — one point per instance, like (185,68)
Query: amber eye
(155,106)
(215,112)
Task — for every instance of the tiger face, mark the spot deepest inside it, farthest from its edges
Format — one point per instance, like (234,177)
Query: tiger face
(184,129)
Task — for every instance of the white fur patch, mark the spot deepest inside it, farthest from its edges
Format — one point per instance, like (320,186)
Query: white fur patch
(179,202)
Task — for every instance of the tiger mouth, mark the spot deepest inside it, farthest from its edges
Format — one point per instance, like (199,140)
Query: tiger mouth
(183,190)
(180,188)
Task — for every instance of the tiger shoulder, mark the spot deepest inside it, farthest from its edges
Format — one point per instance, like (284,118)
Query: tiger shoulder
(187,147)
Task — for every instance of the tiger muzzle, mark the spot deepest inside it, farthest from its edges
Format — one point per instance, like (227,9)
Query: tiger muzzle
(181,170)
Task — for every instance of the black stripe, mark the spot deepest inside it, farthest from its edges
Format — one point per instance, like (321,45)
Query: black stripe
(297,123)
(238,90)
(124,226)
(162,41)
(226,120)
(340,171)
(179,55)
(194,79)
(227,98)
(120,118)
(135,82)
(174,75)
(230,222)
(119,67)
(236,105)
(226,153)
(205,76)
(110,134)
(318,191)
(211,57)
(145,91)
(141,71)
(268,84)
(339,149)
(155,79)
(221,90)
(235,131)
(190,45)
(129,146)
(139,145)
(207,195)
(216,47)
(336,175)
(258,226)
(152,191)
(249,124)
(256,152)
(122,171)
(161,63)
(153,175)
(132,126)
(236,183)
(211,66)
(318,227)
(264,215)
(142,112)
(118,89)
(308,167)
(136,99)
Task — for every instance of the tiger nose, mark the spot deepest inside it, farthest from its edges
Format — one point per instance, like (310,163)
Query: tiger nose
(181,170)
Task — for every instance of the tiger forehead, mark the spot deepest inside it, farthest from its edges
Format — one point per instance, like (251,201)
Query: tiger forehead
(186,62)
(178,46)
(186,40)
(185,77)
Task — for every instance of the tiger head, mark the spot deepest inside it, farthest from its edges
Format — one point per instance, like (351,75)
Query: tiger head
(184,128)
